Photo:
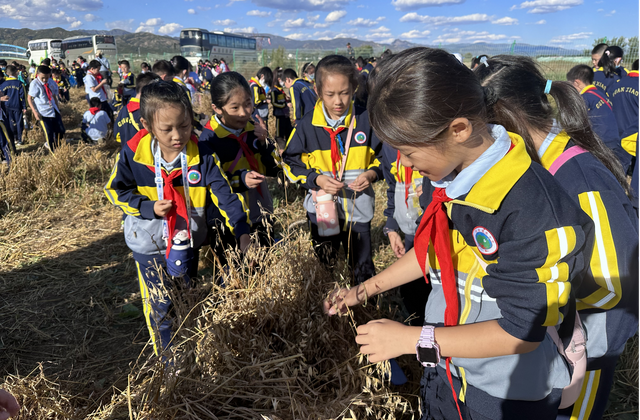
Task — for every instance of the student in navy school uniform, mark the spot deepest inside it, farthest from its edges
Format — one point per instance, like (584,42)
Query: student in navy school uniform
(302,94)
(94,87)
(127,82)
(607,73)
(260,86)
(607,296)
(127,122)
(16,104)
(280,110)
(624,96)
(43,101)
(600,110)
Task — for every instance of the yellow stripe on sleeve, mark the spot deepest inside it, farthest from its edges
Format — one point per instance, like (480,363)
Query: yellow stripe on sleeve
(604,260)
(112,195)
(554,274)
(215,200)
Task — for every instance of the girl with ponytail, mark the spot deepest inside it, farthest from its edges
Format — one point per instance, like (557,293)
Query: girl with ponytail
(609,71)
(560,137)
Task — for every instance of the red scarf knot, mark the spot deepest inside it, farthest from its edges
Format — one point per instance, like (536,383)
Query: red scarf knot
(179,205)
(94,110)
(47,90)
(336,156)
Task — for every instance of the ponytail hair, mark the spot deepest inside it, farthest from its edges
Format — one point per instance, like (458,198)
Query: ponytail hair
(522,105)
(608,60)
(599,49)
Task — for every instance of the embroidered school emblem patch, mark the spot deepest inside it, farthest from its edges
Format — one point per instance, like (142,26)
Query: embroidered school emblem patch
(194,176)
(360,137)
(485,241)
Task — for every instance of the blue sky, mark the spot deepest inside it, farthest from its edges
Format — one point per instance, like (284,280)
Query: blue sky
(547,22)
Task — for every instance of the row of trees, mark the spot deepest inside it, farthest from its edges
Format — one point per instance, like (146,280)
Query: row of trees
(628,45)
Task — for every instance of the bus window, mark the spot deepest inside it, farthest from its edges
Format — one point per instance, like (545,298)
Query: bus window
(213,39)
(252,44)
(237,42)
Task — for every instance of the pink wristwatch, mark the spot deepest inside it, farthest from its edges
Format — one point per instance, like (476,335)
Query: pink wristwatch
(427,350)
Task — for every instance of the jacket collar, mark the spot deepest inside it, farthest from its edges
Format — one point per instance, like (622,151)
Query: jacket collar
(555,149)
(222,132)
(256,81)
(319,119)
(587,88)
(488,193)
(141,146)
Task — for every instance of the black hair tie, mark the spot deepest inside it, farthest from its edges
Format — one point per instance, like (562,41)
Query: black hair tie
(490,95)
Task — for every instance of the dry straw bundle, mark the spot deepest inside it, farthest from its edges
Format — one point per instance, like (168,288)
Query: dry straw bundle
(261,345)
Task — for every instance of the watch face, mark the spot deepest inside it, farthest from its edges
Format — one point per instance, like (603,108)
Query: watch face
(428,355)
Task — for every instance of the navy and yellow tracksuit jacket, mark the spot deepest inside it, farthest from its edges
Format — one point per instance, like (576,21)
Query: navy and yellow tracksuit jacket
(63,84)
(128,122)
(132,188)
(601,81)
(400,212)
(535,241)
(624,95)
(227,148)
(279,102)
(603,122)
(129,84)
(607,299)
(303,99)
(366,70)
(308,155)
(14,89)
(259,97)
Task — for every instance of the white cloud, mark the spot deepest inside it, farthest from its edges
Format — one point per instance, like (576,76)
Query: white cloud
(445,20)
(258,13)
(170,28)
(505,21)
(335,16)
(297,37)
(145,28)
(224,22)
(417,4)
(313,18)
(294,23)
(302,4)
(91,18)
(365,22)
(456,36)
(247,29)
(75,24)
(611,13)
(548,6)
(191,11)
(152,22)
(40,14)
(565,39)
(540,22)
(126,25)
(415,34)
(381,34)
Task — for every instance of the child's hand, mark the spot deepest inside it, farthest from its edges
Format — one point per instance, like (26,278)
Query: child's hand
(253,179)
(419,190)
(9,407)
(396,244)
(341,299)
(363,181)
(383,339)
(4,98)
(245,242)
(162,207)
(329,185)
(260,129)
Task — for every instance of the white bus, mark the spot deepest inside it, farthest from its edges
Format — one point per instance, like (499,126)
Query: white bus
(87,45)
(199,44)
(39,49)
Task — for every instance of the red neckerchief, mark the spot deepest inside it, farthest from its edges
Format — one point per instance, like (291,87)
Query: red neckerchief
(133,106)
(408,177)
(98,78)
(335,153)
(94,110)
(593,91)
(246,150)
(434,228)
(47,89)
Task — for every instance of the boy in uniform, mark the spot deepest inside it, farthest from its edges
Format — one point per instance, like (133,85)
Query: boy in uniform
(15,105)
(43,100)
(127,82)
(127,122)
(94,86)
(303,96)
(63,85)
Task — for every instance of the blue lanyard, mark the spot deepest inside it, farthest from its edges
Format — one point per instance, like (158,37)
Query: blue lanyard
(160,188)
(340,144)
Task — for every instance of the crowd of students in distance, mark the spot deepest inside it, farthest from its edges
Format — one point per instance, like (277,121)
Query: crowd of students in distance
(508,207)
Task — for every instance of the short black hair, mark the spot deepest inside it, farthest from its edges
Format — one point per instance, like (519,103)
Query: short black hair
(46,62)
(3,62)
(162,67)
(94,64)
(94,102)
(337,64)
(143,79)
(290,74)
(44,69)
(581,72)
(180,63)
(57,72)
(634,66)
(126,63)
(11,70)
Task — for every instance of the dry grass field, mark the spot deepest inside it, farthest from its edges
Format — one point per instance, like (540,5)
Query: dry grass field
(73,341)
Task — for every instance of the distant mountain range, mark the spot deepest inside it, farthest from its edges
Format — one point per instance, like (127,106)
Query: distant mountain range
(144,42)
